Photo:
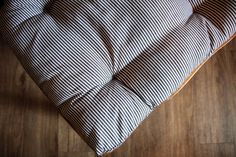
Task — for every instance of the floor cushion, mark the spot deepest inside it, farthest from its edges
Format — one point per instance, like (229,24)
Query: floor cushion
(106,65)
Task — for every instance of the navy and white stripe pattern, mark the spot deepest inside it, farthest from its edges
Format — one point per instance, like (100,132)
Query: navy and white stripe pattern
(107,64)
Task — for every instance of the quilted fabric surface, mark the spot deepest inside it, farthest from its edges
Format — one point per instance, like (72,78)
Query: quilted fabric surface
(107,64)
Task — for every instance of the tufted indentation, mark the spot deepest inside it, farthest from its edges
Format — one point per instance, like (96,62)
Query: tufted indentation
(48,6)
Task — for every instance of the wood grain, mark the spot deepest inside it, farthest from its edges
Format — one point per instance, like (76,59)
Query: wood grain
(199,121)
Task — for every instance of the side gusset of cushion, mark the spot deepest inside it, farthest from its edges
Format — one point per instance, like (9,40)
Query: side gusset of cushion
(107,64)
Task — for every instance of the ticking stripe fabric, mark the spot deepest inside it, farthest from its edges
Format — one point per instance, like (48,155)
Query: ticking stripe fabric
(107,64)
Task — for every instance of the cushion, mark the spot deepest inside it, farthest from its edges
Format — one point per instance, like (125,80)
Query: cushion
(106,65)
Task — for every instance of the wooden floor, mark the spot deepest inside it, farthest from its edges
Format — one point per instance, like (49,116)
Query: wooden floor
(200,121)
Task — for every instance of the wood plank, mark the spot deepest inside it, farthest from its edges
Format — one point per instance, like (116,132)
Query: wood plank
(28,121)
(232,63)
(216,150)
(76,154)
(68,139)
(214,100)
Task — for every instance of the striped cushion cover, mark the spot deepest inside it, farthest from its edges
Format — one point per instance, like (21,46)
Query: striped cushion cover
(107,64)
